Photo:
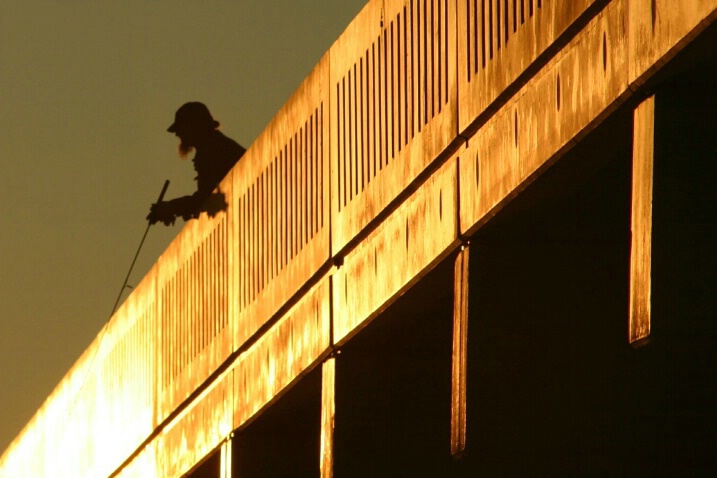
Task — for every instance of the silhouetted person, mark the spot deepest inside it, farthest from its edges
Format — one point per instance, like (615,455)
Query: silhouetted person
(214,157)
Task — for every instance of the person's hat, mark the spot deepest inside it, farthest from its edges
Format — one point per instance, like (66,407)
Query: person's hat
(195,115)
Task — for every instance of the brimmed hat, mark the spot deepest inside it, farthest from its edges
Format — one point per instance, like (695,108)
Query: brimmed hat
(193,114)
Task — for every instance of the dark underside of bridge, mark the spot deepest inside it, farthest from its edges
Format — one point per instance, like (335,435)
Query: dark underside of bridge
(554,388)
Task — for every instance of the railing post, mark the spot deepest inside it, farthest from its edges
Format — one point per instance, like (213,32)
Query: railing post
(641,223)
(328,375)
(460,353)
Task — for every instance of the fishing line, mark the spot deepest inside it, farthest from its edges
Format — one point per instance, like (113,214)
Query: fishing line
(119,296)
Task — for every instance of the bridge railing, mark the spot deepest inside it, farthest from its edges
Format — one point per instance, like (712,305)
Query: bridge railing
(246,263)
(192,324)
(500,40)
(280,209)
(393,106)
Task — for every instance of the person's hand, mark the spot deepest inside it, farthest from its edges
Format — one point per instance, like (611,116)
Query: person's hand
(161,212)
(215,203)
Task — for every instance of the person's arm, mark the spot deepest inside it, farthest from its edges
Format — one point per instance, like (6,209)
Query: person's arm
(167,212)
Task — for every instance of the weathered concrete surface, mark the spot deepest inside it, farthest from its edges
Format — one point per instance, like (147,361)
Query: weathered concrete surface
(496,46)
(582,84)
(421,231)
(281,190)
(192,312)
(197,430)
(394,106)
(282,354)
(659,29)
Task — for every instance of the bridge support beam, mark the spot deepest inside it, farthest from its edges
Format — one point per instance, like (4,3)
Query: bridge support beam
(328,407)
(641,225)
(460,353)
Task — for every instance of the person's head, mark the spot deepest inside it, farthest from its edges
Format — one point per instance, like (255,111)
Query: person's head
(192,123)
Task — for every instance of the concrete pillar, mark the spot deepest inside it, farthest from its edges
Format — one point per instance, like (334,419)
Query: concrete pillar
(460,353)
(328,407)
(641,224)
(225,460)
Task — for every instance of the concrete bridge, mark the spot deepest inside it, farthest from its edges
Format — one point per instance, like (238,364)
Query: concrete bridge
(477,241)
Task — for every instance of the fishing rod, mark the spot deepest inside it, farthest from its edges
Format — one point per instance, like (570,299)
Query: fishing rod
(149,224)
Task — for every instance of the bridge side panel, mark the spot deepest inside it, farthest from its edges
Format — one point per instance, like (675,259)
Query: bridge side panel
(397,253)
(583,84)
(285,352)
(193,292)
(659,29)
(393,106)
(197,430)
(498,41)
(258,377)
(144,465)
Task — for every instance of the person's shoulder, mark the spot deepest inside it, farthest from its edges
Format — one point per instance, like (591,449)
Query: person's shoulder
(228,144)
(222,138)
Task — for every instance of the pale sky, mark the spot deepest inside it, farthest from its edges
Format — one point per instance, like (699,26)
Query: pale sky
(87,91)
